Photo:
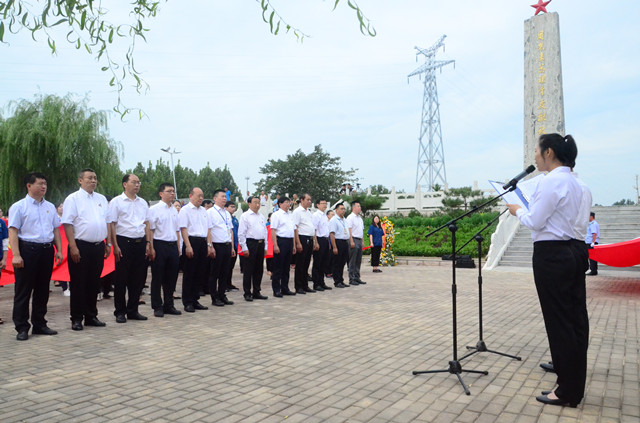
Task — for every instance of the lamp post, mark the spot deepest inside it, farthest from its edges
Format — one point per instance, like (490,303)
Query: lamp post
(173,169)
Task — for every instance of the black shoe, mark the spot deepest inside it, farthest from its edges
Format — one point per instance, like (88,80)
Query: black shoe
(226,301)
(326,287)
(592,274)
(259,296)
(121,319)
(354,283)
(546,392)
(548,367)
(136,316)
(362,283)
(309,290)
(216,302)
(277,294)
(189,308)
(44,330)
(248,297)
(158,312)
(172,310)
(199,306)
(340,285)
(23,335)
(77,325)
(288,293)
(232,288)
(318,288)
(301,292)
(546,400)
(94,322)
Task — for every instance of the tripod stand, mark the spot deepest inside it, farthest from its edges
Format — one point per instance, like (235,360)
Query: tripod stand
(481,346)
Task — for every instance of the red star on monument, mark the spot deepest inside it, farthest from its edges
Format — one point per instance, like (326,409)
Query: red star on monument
(541,6)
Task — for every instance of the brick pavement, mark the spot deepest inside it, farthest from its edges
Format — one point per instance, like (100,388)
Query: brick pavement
(339,356)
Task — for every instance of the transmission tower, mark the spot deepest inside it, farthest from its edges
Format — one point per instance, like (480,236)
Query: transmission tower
(430,169)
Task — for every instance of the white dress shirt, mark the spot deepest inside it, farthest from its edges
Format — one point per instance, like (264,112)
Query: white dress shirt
(303,221)
(356,224)
(220,224)
(34,220)
(321,224)
(195,219)
(129,215)
(252,225)
(338,226)
(88,214)
(282,222)
(554,207)
(163,221)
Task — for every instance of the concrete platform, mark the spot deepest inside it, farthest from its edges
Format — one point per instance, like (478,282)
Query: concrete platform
(344,355)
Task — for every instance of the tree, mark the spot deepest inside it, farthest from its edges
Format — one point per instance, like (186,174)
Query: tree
(88,27)
(379,189)
(316,173)
(58,137)
(455,198)
(624,202)
(367,202)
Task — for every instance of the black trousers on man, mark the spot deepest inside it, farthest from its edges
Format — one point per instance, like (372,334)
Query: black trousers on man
(131,274)
(195,270)
(593,265)
(320,262)
(253,267)
(340,260)
(558,269)
(281,265)
(85,280)
(33,278)
(219,270)
(303,259)
(164,274)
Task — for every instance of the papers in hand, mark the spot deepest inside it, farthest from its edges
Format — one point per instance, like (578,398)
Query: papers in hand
(522,194)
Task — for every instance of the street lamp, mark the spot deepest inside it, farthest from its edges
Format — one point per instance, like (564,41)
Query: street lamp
(173,169)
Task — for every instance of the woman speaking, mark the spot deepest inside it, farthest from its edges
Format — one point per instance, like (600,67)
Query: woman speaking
(559,265)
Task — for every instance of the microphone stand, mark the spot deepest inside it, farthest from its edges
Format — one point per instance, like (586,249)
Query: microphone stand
(455,367)
(481,346)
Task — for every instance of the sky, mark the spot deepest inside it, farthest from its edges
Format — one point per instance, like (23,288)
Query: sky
(223,90)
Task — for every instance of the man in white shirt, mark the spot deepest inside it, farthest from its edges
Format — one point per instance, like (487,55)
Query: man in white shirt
(84,217)
(321,254)
(33,231)
(194,228)
(305,240)
(132,244)
(339,235)
(355,225)
(282,233)
(163,222)
(252,236)
(221,228)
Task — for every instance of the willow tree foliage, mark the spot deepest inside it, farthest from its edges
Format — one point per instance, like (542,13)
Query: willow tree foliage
(316,173)
(58,137)
(90,29)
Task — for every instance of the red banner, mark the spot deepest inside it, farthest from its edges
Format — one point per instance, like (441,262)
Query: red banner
(620,254)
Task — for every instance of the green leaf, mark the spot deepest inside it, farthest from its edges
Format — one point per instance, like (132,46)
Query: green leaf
(271,20)
(104,68)
(277,28)
(83,19)
(86,46)
(112,82)
(59,22)
(351,5)
(111,36)
(52,45)
(1,31)
(336,4)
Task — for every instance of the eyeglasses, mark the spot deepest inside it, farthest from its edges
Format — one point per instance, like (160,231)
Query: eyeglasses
(135,182)
(170,191)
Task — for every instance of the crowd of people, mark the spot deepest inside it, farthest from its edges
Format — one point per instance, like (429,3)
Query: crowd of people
(201,237)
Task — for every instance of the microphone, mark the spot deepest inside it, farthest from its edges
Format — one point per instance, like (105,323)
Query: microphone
(518,177)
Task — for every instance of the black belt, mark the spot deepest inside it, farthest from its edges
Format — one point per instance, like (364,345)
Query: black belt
(305,236)
(342,240)
(130,240)
(89,242)
(36,244)
(165,242)
(221,243)
(282,237)
(197,237)
(259,241)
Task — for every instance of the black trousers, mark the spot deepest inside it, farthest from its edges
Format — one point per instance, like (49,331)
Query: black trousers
(131,274)
(219,270)
(303,259)
(85,280)
(558,269)
(281,265)
(195,270)
(33,278)
(320,259)
(375,255)
(253,266)
(164,274)
(340,260)
(593,265)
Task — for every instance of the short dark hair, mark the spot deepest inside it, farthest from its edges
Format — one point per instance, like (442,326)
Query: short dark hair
(283,199)
(593,215)
(354,202)
(304,195)
(32,177)
(86,169)
(126,177)
(216,192)
(250,198)
(164,185)
(229,203)
(207,201)
(319,200)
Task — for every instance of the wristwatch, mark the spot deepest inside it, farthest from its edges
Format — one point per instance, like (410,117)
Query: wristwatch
(209,245)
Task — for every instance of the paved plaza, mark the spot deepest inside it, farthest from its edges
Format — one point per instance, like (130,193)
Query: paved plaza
(344,355)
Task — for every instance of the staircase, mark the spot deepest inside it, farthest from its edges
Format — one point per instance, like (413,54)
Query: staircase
(617,224)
